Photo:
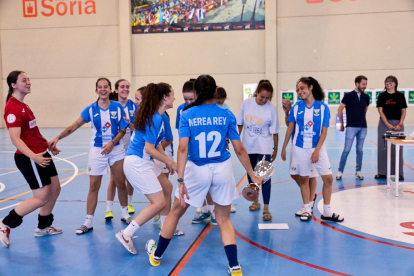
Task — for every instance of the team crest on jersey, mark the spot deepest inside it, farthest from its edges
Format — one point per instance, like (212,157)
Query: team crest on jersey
(316,112)
(131,113)
(114,114)
(11,118)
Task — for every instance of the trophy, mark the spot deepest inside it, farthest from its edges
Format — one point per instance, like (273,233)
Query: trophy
(263,169)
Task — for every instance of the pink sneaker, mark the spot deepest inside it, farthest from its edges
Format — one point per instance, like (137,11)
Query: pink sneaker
(4,234)
(47,231)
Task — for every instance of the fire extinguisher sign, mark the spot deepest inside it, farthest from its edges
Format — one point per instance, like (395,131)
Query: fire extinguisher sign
(29,8)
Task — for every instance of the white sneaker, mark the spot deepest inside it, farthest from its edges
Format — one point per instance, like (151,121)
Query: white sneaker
(232,209)
(126,241)
(359,176)
(47,231)
(4,234)
(339,176)
(300,212)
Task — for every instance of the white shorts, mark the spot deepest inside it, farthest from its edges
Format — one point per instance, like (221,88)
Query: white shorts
(162,165)
(98,163)
(301,163)
(216,178)
(314,172)
(142,174)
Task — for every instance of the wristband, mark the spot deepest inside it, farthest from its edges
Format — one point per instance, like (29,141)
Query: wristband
(180,180)
(401,125)
(113,143)
(274,147)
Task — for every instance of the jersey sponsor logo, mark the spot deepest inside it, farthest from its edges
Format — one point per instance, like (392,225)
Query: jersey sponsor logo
(11,118)
(131,113)
(316,112)
(310,123)
(32,123)
(114,114)
(106,126)
(390,101)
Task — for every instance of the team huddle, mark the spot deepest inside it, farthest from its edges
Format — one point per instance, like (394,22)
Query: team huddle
(134,139)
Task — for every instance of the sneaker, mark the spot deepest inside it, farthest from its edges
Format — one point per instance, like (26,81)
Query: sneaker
(201,217)
(127,220)
(235,271)
(232,209)
(359,176)
(339,176)
(131,209)
(151,247)
(306,216)
(109,215)
(126,241)
(156,218)
(213,218)
(4,234)
(300,212)
(47,231)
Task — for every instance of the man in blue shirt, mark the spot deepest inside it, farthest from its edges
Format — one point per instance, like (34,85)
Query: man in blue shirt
(356,104)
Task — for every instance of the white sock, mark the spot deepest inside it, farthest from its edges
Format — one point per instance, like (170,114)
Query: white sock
(327,210)
(88,221)
(308,208)
(210,208)
(131,228)
(124,211)
(162,220)
(204,209)
(130,199)
(109,205)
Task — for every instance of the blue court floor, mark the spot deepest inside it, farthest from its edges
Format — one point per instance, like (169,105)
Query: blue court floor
(376,238)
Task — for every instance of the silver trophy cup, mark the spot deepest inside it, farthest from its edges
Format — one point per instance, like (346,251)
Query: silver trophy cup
(263,169)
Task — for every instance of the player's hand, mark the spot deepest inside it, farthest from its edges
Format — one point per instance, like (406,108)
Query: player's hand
(183,192)
(273,156)
(341,128)
(397,128)
(283,155)
(172,167)
(258,180)
(107,148)
(52,148)
(41,160)
(315,156)
(286,105)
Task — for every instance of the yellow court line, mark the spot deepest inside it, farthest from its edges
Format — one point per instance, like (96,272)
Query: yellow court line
(28,192)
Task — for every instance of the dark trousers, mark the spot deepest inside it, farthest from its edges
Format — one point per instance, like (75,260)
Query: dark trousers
(267,186)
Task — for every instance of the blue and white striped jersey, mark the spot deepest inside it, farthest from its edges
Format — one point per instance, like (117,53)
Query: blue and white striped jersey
(309,123)
(130,109)
(105,123)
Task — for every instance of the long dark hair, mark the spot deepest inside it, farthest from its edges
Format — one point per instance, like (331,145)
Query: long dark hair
(12,78)
(151,101)
(317,90)
(205,87)
(264,86)
(109,83)
(114,96)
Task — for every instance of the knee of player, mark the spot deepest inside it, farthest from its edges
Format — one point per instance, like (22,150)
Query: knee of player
(160,204)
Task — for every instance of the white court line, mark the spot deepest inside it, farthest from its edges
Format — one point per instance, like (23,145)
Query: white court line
(76,171)
(2,187)
(60,159)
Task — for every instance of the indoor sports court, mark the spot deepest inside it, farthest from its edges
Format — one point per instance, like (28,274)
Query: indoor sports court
(64,46)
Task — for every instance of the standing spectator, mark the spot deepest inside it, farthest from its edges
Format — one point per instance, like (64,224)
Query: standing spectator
(392,107)
(356,104)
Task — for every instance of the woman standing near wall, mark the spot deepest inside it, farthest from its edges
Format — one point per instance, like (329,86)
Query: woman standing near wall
(121,95)
(32,159)
(258,117)
(391,106)
(108,128)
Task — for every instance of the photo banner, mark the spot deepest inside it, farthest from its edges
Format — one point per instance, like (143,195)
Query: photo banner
(174,16)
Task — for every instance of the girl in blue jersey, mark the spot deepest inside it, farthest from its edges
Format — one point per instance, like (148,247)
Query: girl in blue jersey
(139,167)
(108,128)
(309,119)
(204,166)
(121,94)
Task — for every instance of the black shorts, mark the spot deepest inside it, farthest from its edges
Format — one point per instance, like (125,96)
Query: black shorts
(35,175)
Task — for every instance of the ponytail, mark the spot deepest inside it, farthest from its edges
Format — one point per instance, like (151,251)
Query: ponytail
(12,78)
(205,87)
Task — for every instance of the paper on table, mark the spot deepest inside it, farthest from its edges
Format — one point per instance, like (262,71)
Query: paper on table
(273,226)
(408,141)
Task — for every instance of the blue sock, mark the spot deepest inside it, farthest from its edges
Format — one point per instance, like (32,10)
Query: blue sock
(162,246)
(231,252)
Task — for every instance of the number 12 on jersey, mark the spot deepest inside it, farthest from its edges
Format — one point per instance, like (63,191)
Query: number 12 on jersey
(214,136)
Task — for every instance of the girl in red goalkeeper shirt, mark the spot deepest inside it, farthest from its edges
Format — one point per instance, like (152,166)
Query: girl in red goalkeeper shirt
(32,159)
